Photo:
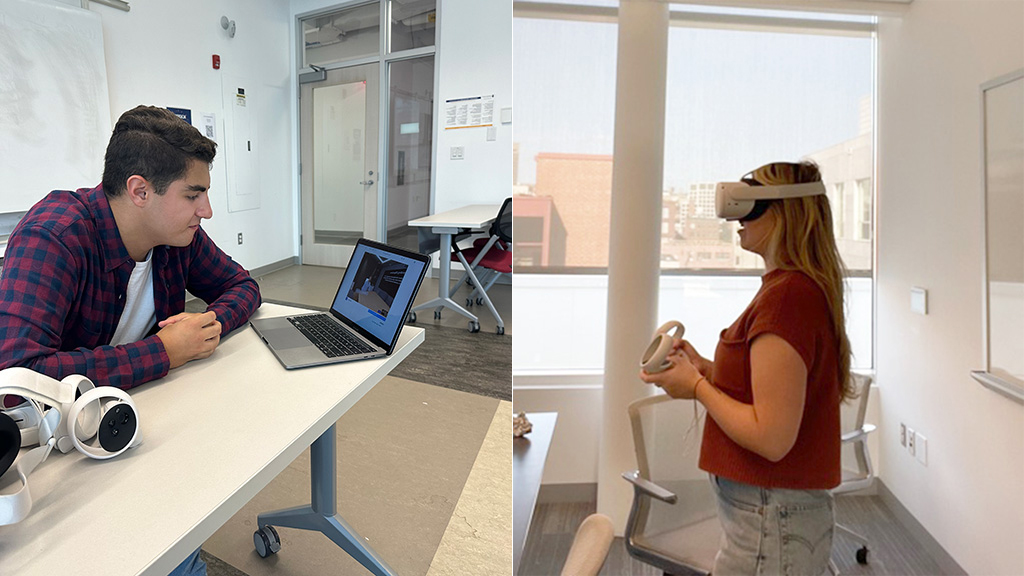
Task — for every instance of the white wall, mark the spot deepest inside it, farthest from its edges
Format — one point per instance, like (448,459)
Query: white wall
(970,496)
(159,54)
(475,60)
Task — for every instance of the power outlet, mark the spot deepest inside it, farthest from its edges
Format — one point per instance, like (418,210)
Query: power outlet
(903,434)
(239,238)
(458,153)
(911,441)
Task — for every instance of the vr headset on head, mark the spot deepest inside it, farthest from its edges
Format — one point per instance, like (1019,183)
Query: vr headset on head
(51,417)
(737,200)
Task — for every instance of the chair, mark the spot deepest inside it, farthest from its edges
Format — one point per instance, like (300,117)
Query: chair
(673,523)
(857,471)
(590,546)
(489,258)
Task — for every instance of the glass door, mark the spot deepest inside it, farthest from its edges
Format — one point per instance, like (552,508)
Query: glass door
(339,120)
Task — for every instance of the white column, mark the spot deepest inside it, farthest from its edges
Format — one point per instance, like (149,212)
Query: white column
(633,259)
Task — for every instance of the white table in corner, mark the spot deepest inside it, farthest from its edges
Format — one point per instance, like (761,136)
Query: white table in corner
(215,433)
(475,217)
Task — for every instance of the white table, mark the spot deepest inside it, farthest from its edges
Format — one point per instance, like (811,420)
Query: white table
(216,432)
(446,224)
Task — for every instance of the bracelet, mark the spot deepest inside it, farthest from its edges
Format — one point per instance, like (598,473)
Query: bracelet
(697,385)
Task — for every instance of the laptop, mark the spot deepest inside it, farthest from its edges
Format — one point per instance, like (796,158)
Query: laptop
(365,319)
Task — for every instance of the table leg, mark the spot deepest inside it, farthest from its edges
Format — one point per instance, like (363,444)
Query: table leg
(320,515)
(443,301)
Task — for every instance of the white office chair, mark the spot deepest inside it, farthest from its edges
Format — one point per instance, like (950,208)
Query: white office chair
(673,523)
(858,474)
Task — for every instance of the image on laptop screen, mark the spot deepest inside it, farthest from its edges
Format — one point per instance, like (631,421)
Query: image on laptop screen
(377,282)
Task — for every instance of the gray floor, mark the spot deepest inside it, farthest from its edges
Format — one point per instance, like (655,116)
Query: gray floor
(315,286)
(892,551)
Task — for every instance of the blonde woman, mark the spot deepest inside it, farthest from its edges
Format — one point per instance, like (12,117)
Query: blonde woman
(772,392)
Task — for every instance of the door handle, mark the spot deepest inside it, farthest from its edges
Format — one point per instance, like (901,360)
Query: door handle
(366,182)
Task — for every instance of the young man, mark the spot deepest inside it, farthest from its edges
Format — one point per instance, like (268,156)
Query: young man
(94,281)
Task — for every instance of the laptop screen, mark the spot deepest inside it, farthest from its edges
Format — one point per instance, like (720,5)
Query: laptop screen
(377,288)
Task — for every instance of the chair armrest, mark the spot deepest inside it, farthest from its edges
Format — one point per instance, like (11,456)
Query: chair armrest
(647,487)
(857,435)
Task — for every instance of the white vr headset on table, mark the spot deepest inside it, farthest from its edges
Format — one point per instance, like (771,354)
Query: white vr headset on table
(736,200)
(51,417)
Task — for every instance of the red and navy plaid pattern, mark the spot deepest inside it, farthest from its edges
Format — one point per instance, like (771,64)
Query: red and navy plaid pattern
(63,286)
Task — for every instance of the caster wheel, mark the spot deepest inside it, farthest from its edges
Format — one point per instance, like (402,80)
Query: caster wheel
(412,317)
(501,330)
(862,555)
(479,301)
(474,327)
(469,302)
(437,315)
(266,541)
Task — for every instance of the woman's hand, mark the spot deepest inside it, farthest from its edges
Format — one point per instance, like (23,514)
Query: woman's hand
(679,381)
(702,364)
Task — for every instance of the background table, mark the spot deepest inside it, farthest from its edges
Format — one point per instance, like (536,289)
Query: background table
(447,224)
(529,454)
(215,431)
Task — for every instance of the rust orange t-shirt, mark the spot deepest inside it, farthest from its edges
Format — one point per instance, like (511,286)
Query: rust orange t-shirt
(791,306)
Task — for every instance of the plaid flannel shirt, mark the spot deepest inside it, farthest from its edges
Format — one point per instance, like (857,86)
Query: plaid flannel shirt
(64,283)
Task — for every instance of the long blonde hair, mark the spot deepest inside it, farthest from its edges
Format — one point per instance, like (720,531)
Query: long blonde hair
(804,241)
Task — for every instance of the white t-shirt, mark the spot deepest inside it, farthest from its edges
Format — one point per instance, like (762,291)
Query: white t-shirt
(139,309)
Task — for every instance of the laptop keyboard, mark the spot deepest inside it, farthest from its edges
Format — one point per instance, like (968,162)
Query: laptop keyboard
(332,339)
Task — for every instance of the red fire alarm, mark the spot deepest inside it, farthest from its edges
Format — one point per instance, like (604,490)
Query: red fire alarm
(216,62)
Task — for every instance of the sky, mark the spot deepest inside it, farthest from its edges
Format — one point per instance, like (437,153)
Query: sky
(735,100)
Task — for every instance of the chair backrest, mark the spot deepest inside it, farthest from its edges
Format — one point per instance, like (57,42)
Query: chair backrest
(858,473)
(590,546)
(502,225)
(667,436)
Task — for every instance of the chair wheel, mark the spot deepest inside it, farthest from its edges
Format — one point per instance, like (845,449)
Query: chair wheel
(412,317)
(479,301)
(437,315)
(266,541)
(500,330)
(862,555)
(469,302)
(474,327)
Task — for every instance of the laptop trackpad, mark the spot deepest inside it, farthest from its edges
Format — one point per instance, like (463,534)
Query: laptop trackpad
(284,338)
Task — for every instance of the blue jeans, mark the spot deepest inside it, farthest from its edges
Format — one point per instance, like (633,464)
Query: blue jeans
(192,566)
(772,530)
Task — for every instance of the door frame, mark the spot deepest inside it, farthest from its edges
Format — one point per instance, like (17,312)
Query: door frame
(383,58)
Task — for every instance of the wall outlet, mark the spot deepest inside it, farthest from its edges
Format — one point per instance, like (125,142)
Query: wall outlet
(239,238)
(903,434)
(921,448)
(911,442)
(457,153)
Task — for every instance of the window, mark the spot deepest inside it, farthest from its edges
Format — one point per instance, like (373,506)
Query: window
(864,209)
(813,100)
(837,204)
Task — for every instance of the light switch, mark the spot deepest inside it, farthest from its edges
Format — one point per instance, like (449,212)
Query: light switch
(492,133)
(919,300)
(506,115)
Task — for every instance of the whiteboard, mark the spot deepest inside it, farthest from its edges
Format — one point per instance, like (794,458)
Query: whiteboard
(54,106)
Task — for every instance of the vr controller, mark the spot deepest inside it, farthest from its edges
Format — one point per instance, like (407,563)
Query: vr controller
(51,417)
(655,358)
